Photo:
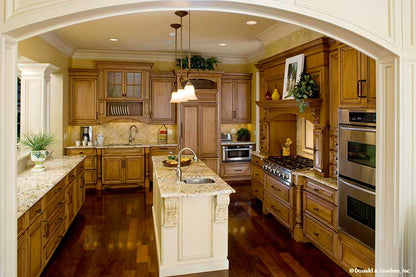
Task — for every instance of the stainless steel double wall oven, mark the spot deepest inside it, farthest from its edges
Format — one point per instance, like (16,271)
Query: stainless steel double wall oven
(357,173)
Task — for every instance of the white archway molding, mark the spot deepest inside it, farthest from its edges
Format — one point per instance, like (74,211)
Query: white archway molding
(396,92)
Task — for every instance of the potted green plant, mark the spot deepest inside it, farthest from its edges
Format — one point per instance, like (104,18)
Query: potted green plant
(37,143)
(304,89)
(198,62)
(243,134)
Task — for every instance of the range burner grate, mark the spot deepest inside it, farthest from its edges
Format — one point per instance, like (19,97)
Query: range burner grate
(291,162)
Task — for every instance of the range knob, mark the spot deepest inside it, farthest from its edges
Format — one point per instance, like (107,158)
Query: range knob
(286,177)
(265,167)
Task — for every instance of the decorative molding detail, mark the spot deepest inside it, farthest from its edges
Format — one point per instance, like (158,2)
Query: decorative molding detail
(276,32)
(171,211)
(59,42)
(120,55)
(221,208)
(409,25)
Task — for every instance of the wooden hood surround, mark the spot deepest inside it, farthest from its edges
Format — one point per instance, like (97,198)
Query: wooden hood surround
(273,113)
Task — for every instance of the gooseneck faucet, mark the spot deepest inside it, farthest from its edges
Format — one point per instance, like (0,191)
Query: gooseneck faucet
(178,168)
(131,138)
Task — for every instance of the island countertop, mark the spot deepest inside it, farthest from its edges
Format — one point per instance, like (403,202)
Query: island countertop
(169,187)
(31,187)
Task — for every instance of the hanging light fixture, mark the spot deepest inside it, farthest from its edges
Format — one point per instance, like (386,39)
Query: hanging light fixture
(176,97)
(189,87)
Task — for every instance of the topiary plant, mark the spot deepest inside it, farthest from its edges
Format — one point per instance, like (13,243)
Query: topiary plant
(243,134)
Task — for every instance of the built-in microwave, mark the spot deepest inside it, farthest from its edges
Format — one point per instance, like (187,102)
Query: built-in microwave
(236,153)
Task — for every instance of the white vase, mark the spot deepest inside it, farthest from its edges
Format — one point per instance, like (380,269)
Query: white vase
(38,157)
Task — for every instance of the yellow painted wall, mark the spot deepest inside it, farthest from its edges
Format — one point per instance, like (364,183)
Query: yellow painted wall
(37,50)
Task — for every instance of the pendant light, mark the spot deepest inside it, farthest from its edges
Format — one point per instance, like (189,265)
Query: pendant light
(176,97)
(189,87)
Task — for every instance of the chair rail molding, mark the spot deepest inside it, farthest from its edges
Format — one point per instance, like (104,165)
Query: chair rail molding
(386,34)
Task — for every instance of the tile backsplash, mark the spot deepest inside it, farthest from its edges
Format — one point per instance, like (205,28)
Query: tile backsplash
(116,132)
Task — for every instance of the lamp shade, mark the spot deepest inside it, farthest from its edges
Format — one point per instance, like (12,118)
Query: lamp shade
(190,91)
(175,97)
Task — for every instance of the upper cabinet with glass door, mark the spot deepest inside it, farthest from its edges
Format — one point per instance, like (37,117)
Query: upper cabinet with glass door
(124,91)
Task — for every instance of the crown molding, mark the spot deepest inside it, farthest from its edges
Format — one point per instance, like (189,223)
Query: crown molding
(59,42)
(123,55)
(276,32)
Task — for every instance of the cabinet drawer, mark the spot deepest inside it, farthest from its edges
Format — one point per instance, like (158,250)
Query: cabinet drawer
(321,209)
(333,142)
(90,163)
(235,169)
(35,211)
(123,151)
(278,209)
(53,222)
(322,236)
(81,151)
(90,176)
(53,242)
(256,160)
(278,189)
(355,255)
(55,204)
(321,190)
(51,195)
(71,175)
(257,190)
(257,174)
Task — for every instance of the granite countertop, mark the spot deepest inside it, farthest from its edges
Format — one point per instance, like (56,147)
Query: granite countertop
(123,145)
(169,187)
(258,154)
(332,183)
(31,187)
(235,142)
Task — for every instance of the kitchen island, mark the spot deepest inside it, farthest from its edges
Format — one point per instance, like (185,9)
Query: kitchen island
(190,220)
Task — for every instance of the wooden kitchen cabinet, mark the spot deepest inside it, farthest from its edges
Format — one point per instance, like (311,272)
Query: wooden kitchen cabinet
(236,98)
(91,164)
(83,85)
(234,171)
(212,163)
(123,91)
(22,255)
(34,243)
(161,87)
(356,78)
(320,150)
(123,166)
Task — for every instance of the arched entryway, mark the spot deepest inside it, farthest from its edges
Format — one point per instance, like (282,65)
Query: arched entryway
(394,114)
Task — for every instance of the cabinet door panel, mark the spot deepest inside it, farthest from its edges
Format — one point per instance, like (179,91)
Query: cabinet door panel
(162,110)
(320,159)
(133,84)
(190,117)
(349,76)
(35,248)
(242,101)
(208,126)
(83,97)
(112,170)
(227,101)
(134,169)
(22,256)
(114,84)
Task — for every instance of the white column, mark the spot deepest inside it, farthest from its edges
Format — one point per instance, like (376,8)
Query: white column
(8,171)
(35,93)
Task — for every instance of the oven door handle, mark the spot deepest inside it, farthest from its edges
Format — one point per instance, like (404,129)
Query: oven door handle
(358,187)
(363,129)
(237,149)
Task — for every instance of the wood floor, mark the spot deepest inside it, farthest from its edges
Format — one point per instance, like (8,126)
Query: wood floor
(113,236)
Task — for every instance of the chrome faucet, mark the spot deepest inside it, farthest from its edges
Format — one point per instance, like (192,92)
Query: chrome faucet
(131,138)
(178,168)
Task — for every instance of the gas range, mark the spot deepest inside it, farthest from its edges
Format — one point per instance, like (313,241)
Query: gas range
(282,166)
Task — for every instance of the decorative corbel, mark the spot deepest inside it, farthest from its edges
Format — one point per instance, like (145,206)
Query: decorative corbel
(171,210)
(221,208)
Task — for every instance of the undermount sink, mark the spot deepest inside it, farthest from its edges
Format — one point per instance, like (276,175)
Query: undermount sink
(123,144)
(199,180)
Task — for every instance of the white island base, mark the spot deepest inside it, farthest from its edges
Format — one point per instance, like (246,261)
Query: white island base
(191,222)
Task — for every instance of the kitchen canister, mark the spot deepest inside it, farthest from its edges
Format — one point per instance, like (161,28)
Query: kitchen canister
(100,139)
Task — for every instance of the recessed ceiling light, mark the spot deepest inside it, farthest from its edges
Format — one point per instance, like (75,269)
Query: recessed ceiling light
(251,22)
(113,39)
(222,44)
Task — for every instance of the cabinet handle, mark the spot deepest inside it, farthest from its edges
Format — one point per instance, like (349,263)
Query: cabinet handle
(238,170)
(46,229)
(39,211)
(316,234)
(316,209)
(360,88)
(273,187)
(256,190)
(360,268)
(317,190)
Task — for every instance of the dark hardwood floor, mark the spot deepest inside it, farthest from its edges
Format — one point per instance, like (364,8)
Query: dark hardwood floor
(113,236)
